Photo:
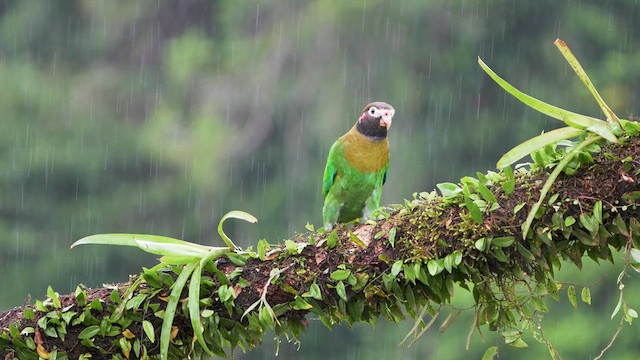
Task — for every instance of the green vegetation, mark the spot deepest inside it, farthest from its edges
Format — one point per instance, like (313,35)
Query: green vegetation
(153,117)
(439,246)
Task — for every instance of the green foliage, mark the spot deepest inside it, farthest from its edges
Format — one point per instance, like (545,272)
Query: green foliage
(578,125)
(194,257)
(116,118)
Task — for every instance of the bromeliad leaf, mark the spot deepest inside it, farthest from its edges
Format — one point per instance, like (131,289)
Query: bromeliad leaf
(185,249)
(170,311)
(235,214)
(575,64)
(570,118)
(159,245)
(536,143)
(129,240)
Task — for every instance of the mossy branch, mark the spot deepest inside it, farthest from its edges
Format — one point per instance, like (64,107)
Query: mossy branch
(404,263)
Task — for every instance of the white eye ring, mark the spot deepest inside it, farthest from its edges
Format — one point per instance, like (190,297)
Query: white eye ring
(373,110)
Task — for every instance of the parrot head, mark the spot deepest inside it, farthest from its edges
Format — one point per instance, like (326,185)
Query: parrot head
(376,120)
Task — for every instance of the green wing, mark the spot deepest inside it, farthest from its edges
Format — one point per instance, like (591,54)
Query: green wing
(376,195)
(330,171)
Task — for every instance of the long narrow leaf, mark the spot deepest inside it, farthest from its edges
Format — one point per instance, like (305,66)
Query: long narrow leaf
(575,64)
(536,143)
(179,260)
(132,240)
(552,177)
(213,253)
(194,307)
(568,117)
(170,311)
(182,249)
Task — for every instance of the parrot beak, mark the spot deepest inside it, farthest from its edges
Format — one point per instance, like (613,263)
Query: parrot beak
(387,117)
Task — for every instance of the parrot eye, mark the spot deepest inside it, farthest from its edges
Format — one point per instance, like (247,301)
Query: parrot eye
(373,110)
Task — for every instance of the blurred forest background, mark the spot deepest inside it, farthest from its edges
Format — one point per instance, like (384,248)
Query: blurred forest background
(158,117)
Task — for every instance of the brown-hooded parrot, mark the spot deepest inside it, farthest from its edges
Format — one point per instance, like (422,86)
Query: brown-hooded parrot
(357,167)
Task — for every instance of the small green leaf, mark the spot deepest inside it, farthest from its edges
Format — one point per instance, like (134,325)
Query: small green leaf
(621,226)
(569,220)
(89,332)
(448,189)
(448,263)
(617,308)
(300,304)
(262,249)
(490,353)
(481,244)
(115,297)
(597,211)
(340,274)
(539,304)
(525,252)
(457,257)
(432,266)
(508,186)
(586,295)
(29,314)
(500,255)
(588,223)
(396,268)
(503,241)
(54,297)
(149,330)
(518,208)
(332,240)
(519,343)
(237,259)
(471,206)
(293,248)
(486,193)
(409,273)
(342,292)
(96,304)
(314,292)
(571,294)
(392,236)
(267,316)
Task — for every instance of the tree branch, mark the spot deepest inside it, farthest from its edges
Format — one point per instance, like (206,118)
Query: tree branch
(404,263)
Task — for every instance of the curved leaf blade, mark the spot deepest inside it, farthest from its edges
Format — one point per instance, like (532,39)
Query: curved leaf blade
(536,143)
(180,249)
(170,311)
(132,240)
(575,64)
(235,214)
(570,118)
(194,307)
